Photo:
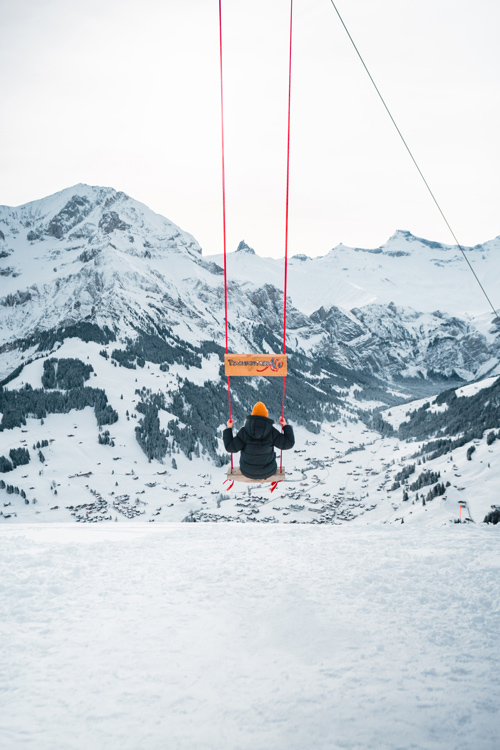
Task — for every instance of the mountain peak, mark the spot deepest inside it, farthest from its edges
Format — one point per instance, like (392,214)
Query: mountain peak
(244,248)
(403,236)
(90,214)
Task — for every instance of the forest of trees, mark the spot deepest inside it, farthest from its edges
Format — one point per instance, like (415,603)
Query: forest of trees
(466,417)
(150,436)
(105,438)
(312,389)
(314,392)
(84,330)
(17,456)
(65,373)
(402,475)
(17,406)
(200,410)
(425,478)
(493,516)
(153,348)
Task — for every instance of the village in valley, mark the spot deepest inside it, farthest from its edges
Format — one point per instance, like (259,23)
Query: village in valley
(346,473)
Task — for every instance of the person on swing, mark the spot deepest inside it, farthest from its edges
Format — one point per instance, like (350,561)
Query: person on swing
(257,440)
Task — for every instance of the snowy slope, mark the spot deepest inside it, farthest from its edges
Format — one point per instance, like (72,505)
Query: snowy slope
(406,270)
(221,637)
(399,414)
(95,254)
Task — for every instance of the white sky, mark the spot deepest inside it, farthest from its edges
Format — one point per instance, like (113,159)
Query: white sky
(126,93)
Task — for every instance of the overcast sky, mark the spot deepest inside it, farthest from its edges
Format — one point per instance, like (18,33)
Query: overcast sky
(126,93)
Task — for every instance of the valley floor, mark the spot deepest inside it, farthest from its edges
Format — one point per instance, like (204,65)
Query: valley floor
(249,637)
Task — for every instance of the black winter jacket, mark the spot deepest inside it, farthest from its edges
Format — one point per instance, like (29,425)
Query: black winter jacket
(256,441)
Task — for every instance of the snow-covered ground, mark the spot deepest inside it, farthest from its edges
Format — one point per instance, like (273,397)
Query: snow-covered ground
(249,637)
(343,474)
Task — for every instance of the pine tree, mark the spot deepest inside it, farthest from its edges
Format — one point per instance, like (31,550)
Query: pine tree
(5,465)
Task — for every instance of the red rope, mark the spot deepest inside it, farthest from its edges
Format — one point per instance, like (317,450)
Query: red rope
(223,167)
(286,212)
(287,175)
(224,204)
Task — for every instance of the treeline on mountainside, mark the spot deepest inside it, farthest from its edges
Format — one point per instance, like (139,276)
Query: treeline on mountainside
(58,373)
(435,448)
(154,348)
(17,406)
(46,340)
(65,373)
(150,436)
(465,417)
(436,491)
(425,478)
(200,411)
(375,421)
(321,376)
(402,475)
(12,489)
(13,375)
(194,431)
(312,396)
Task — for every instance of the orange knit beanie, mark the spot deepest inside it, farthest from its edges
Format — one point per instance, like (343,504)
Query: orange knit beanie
(260,410)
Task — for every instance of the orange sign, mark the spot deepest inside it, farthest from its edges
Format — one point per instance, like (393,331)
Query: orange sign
(255,364)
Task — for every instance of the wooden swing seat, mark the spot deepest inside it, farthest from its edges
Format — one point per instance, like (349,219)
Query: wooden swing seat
(253,365)
(236,476)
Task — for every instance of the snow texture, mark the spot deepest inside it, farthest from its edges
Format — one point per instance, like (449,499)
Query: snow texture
(219,637)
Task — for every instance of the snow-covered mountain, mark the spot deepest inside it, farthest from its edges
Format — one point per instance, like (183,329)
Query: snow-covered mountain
(93,256)
(407,271)
(89,254)
(410,307)
(112,331)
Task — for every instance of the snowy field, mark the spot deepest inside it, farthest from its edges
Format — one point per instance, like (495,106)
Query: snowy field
(249,637)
